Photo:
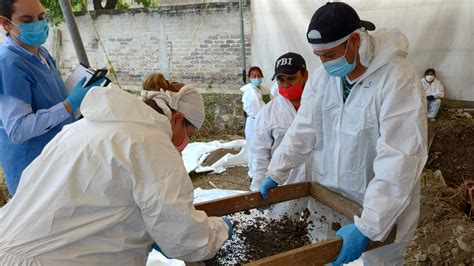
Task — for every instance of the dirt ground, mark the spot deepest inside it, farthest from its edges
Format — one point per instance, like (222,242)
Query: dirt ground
(234,178)
(445,234)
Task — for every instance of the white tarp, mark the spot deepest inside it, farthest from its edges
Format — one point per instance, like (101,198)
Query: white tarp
(195,153)
(440,32)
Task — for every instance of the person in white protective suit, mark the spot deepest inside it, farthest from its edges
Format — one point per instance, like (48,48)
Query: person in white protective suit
(276,117)
(363,116)
(434,92)
(108,186)
(274,90)
(254,97)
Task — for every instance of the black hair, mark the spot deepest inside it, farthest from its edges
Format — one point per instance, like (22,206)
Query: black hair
(254,68)
(6,9)
(430,70)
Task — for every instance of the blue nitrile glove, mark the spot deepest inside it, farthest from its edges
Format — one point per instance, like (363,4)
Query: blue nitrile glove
(353,244)
(267,184)
(230,232)
(157,248)
(78,93)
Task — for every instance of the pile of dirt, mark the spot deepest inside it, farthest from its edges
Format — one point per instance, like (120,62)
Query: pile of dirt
(445,235)
(233,178)
(452,149)
(261,237)
(217,155)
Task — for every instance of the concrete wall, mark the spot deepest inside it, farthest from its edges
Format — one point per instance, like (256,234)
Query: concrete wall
(197,43)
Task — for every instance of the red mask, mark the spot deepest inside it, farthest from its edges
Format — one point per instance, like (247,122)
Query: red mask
(291,93)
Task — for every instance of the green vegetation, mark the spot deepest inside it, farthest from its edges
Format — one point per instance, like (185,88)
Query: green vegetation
(56,16)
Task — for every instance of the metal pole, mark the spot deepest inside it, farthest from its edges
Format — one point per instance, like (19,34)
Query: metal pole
(242,40)
(164,58)
(74,31)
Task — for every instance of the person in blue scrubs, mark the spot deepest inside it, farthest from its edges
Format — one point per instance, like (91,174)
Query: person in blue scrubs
(34,104)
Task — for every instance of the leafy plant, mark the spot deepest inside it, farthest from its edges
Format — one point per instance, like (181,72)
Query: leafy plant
(209,85)
(147,3)
(56,15)
(122,5)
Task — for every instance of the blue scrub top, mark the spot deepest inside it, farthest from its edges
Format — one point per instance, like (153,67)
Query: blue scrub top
(26,83)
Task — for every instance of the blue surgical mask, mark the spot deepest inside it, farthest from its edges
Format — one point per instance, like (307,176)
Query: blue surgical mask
(340,67)
(33,33)
(256,82)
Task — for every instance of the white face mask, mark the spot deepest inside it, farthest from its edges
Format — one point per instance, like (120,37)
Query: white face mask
(429,78)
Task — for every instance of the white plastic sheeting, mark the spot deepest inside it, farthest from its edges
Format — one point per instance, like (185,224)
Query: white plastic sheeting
(195,153)
(440,32)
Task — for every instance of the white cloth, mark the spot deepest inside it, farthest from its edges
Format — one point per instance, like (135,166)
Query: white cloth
(271,125)
(187,101)
(196,153)
(372,148)
(103,190)
(435,89)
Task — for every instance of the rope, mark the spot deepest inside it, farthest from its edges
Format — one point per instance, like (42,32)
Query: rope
(109,62)
(198,27)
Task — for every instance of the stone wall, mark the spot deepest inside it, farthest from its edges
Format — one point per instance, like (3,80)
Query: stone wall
(224,116)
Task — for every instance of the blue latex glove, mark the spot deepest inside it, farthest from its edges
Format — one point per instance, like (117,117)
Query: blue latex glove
(266,185)
(353,244)
(79,92)
(230,232)
(157,248)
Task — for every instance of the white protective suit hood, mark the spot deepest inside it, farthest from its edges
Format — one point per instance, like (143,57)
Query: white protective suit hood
(104,104)
(381,48)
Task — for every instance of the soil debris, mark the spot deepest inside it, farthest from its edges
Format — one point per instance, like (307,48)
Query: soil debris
(261,237)
(217,155)
(335,226)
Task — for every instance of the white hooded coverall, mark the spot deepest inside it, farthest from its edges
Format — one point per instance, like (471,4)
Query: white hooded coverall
(435,89)
(252,102)
(372,148)
(271,124)
(103,190)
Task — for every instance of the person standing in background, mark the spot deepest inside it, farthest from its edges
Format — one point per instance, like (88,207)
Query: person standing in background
(253,99)
(276,117)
